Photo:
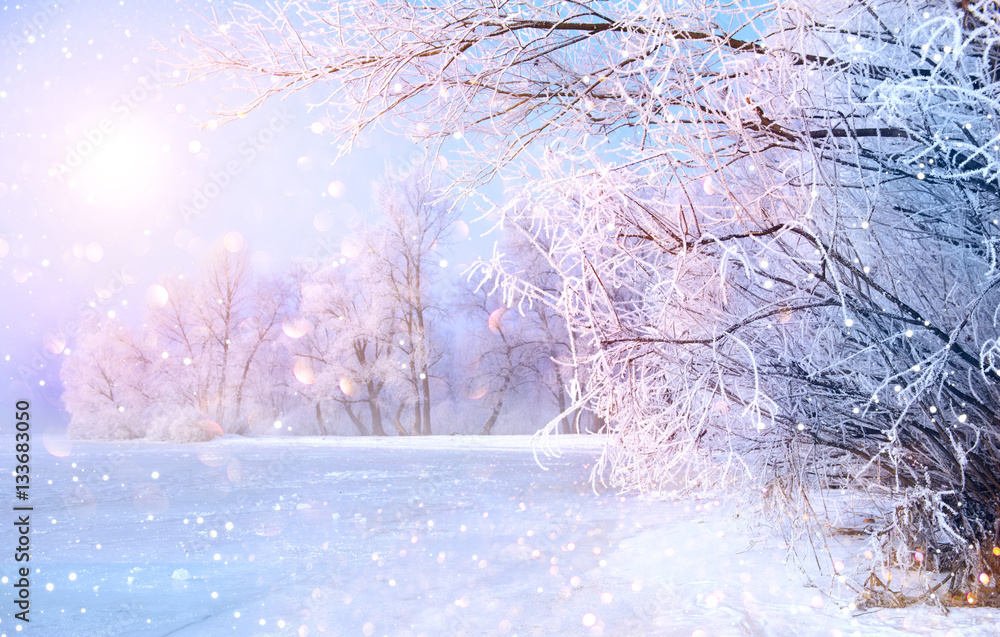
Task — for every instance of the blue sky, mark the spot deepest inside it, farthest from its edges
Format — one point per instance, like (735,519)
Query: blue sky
(109,178)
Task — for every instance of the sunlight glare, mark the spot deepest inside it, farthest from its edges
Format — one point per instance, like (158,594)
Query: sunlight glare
(126,169)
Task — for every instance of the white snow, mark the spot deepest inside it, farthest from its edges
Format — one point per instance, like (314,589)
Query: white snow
(429,536)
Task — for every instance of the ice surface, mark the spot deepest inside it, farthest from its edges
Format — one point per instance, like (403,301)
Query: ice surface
(433,536)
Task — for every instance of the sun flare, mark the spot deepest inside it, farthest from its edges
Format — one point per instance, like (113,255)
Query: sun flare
(126,169)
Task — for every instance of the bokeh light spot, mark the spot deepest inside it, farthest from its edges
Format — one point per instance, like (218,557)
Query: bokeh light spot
(296,328)
(156,296)
(494,320)
(335,189)
(233,241)
(303,372)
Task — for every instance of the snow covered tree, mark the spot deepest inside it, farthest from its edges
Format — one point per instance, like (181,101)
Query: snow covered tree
(258,351)
(110,383)
(535,345)
(271,391)
(207,359)
(348,340)
(775,225)
(405,258)
(212,332)
(368,335)
(498,355)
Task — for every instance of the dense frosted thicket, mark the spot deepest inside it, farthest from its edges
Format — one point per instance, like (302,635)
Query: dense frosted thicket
(774,225)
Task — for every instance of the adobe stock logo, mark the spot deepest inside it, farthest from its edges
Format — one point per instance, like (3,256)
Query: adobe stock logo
(20,38)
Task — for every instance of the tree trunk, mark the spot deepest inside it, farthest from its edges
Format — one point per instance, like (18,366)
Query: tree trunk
(375,410)
(426,380)
(399,426)
(427,404)
(243,380)
(417,428)
(600,425)
(241,427)
(222,384)
(488,427)
(567,424)
(360,347)
(354,418)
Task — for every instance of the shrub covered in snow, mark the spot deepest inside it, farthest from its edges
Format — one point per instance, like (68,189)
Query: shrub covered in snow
(182,425)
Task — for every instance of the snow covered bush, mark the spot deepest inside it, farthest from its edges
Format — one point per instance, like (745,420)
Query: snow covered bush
(182,425)
(775,224)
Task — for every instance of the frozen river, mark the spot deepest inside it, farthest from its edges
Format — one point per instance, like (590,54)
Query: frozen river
(438,537)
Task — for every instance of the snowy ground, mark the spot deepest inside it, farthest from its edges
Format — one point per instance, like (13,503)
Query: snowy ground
(438,536)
